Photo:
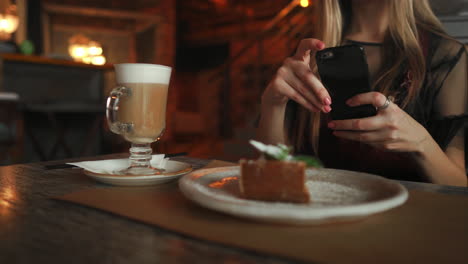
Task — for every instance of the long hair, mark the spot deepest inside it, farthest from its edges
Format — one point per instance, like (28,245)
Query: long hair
(402,46)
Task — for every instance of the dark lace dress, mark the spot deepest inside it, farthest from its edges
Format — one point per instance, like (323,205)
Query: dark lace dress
(441,107)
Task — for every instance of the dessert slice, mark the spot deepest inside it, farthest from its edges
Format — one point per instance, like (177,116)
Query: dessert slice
(274,180)
(276,176)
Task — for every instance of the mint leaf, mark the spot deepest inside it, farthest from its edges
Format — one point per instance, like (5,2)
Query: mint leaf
(309,161)
(280,152)
(283,152)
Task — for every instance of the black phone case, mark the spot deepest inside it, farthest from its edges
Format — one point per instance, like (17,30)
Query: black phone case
(344,73)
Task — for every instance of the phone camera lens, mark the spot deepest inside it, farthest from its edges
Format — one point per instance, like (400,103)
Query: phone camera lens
(327,55)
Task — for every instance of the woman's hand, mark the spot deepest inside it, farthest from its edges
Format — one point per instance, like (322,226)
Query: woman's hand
(294,80)
(392,129)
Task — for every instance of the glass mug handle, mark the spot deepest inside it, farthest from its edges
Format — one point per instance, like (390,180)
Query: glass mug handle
(112,109)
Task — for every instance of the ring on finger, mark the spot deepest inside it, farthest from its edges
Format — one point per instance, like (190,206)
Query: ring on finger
(388,100)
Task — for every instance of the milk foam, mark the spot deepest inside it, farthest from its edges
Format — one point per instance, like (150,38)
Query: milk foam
(142,73)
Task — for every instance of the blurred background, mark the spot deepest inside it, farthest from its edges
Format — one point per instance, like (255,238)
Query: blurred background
(56,60)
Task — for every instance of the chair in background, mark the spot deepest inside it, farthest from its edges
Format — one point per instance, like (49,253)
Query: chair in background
(187,131)
(11,129)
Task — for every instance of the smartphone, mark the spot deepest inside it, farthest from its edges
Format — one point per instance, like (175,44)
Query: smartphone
(344,73)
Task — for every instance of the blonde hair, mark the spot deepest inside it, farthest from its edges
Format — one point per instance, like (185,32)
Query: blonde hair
(402,45)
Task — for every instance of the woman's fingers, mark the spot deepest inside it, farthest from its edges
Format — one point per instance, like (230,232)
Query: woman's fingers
(296,81)
(305,90)
(294,95)
(374,137)
(320,95)
(360,124)
(373,98)
(315,84)
(306,47)
(299,76)
(382,139)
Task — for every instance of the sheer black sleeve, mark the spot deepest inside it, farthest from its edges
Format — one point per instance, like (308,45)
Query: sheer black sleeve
(448,77)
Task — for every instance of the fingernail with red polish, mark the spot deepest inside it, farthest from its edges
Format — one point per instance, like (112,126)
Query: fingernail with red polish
(349,102)
(331,125)
(327,109)
(327,101)
(320,45)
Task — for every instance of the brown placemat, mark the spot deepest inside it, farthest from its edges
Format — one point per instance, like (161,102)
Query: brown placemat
(428,228)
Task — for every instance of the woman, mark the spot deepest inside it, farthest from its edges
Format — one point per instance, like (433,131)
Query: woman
(419,136)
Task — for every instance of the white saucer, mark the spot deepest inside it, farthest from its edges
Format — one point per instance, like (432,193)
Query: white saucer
(173,170)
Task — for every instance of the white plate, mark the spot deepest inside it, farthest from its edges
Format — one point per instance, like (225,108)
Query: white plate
(174,169)
(336,196)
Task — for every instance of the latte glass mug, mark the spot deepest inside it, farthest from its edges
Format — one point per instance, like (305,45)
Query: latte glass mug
(136,110)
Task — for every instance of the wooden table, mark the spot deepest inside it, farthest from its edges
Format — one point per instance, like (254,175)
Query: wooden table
(37,229)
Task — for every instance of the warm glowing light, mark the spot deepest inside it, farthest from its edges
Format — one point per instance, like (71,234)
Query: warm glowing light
(87,60)
(98,60)
(78,52)
(304,3)
(84,50)
(94,48)
(8,195)
(8,22)
(78,47)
